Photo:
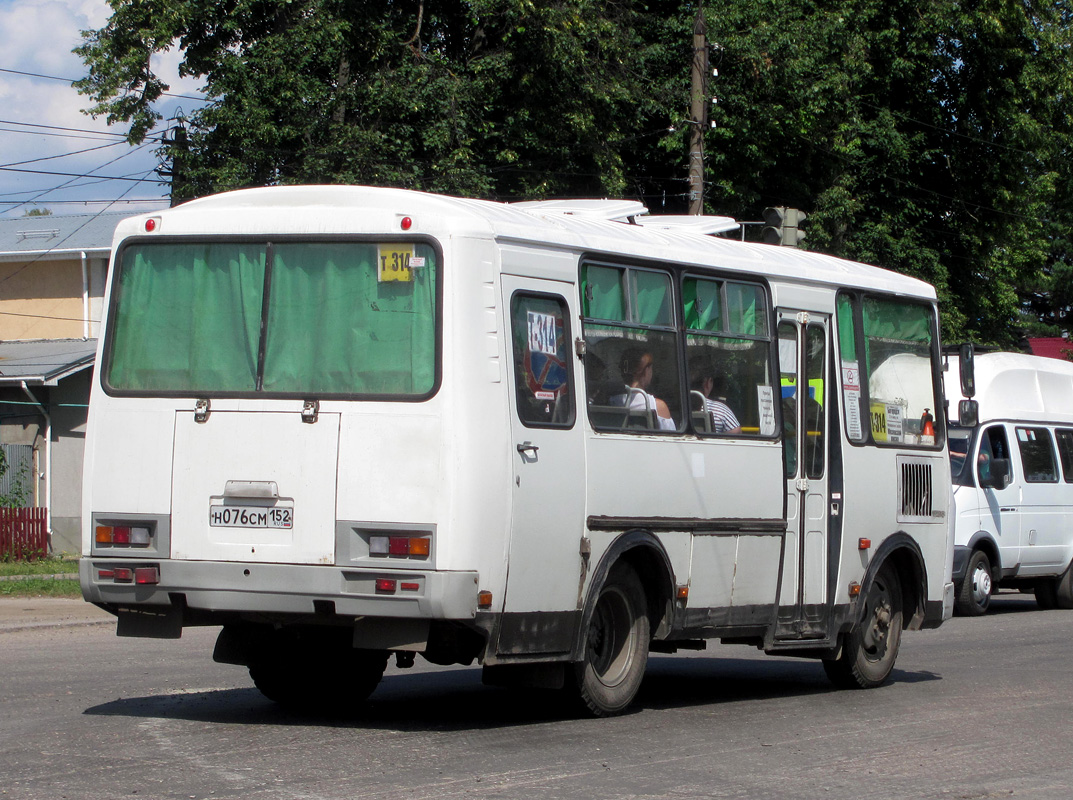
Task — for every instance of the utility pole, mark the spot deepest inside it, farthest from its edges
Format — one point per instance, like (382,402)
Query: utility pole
(698,111)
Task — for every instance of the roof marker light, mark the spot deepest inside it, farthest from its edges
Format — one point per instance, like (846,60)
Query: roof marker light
(406,223)
(151,224)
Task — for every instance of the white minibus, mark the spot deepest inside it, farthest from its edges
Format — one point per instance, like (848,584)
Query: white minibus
(1012,471)
(349,423)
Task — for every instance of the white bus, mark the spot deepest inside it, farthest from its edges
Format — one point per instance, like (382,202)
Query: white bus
(344,423)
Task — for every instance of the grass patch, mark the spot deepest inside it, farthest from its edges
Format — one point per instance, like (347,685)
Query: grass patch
(40,587)
(52,565)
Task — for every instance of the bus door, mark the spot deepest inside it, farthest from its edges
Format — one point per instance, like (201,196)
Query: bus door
(803,347)
(548,480)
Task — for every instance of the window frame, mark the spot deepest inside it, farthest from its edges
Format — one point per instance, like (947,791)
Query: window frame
(678,274)
(1036,430)
(268,241)
(856,299)
(564,305)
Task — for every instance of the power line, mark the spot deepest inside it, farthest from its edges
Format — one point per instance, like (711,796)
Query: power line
(89,202)
(72,81)
(58,128)
(83,175)
(59,155)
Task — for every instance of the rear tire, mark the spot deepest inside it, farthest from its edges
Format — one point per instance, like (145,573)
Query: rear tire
(975,594)
(870,648)
(1046,593)
(616,645)
(1063,590)
(320,680)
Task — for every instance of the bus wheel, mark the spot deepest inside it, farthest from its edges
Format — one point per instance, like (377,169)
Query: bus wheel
(616,645)
(871,647)
(975,594)
(335,682)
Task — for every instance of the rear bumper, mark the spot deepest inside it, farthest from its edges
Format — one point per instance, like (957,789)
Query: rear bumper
(251,588)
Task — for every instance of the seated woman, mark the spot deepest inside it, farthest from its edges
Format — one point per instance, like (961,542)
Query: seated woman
(637,371)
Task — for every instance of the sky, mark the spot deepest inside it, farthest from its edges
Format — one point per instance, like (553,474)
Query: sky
(53,156)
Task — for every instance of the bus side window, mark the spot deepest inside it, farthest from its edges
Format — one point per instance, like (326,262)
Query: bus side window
(631,349)
(540,337)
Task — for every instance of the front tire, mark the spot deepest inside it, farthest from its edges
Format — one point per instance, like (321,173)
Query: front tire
(616,645)
(975,595)
(870,648)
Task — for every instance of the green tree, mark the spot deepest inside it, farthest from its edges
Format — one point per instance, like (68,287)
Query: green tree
(932,138)
(493,98)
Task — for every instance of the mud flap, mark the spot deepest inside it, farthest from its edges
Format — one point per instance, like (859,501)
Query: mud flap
(145,623)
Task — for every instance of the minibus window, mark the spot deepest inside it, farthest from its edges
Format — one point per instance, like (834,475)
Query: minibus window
(631,349)
(339,318)
(898,352)
(1065,452)
(1037,455)
(728,358)
(541,361)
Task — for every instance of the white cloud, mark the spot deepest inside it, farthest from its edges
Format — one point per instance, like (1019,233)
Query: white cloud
(37,36)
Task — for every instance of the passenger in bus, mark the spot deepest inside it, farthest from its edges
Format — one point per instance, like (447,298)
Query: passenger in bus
(638,367)
(705,381)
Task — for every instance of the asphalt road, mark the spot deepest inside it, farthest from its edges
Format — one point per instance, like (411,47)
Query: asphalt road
(977,709)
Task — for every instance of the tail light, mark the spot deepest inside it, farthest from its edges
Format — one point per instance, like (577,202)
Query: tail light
(123,536)
(400,546)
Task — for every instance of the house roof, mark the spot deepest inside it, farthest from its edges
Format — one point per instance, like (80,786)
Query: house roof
(58,236)
(1051,347)
(44,361)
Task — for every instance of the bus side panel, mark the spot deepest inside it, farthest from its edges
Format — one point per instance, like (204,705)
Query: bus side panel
(724,483)
(128,460)
(872,509)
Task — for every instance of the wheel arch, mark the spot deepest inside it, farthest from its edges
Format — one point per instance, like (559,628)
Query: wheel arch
(903,553)
(646,554)
(982,540)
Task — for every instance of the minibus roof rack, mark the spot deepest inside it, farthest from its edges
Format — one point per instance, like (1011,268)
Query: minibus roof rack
(696,223)
(615,210)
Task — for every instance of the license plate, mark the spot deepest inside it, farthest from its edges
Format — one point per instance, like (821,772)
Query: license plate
(250,517)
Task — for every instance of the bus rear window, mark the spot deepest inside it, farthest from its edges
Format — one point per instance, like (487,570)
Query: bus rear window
(292,318)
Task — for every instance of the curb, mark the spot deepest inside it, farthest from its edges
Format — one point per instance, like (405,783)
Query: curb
(64,576)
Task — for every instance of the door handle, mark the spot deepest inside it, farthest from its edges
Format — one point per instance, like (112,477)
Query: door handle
(527,447)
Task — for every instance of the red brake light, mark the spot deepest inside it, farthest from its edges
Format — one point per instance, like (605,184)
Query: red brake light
(385,585)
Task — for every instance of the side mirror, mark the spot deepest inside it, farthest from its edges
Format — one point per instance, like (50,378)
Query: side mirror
(968,413)
(999,476)
(968,374)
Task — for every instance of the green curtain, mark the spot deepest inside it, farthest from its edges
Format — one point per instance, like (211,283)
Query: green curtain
(652,298)
(702,304)
(847,336)
(745,307)
(187,318)
(333,328)
(896,321)
(602,293)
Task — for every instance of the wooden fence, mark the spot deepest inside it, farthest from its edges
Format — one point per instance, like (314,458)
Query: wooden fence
(23,533)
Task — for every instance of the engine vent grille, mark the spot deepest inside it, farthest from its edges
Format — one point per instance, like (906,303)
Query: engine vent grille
(915,491)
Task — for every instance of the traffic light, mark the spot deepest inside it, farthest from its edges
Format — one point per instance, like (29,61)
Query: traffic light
(782,226)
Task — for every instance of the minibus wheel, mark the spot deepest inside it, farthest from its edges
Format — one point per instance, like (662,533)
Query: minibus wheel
(1063,590)
(615,645)
(975,594)
(870,648)
(322,681)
